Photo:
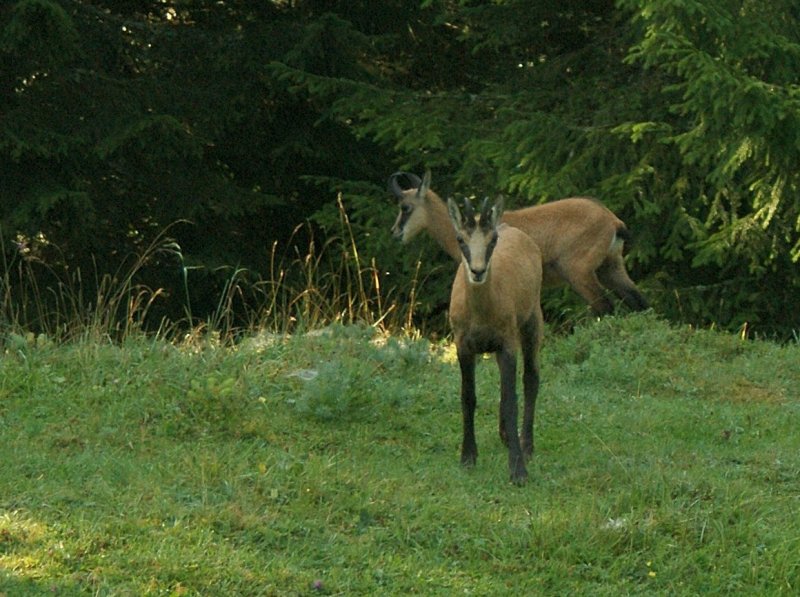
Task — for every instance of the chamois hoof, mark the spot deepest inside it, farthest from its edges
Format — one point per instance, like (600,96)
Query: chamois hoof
(519,477)
(468,460)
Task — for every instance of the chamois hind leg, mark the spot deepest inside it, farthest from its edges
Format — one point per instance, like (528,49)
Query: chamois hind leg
(501,429)
(586,284)
(613,275)
(507,362)
(531,337)
(469,449)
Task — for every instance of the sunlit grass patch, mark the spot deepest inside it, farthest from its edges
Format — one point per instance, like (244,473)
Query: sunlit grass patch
(22,540)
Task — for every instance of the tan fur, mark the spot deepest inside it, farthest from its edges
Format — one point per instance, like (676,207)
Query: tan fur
(495,307)
(510,295)
(428,214)
(579,239)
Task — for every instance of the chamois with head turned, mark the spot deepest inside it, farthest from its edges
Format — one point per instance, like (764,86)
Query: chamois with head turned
(581,241)
(495,307)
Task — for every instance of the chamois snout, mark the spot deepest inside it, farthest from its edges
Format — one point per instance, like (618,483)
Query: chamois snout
(400,223)
(477,276)
(478,255)
(407,224)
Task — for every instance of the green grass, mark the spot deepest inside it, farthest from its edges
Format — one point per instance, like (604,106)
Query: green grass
(668,462)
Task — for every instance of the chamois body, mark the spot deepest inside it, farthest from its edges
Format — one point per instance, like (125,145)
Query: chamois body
(580,240)
(495,307)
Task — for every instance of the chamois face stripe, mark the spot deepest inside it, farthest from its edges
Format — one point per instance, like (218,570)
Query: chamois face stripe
(464,249)
(405,213)
(477,238)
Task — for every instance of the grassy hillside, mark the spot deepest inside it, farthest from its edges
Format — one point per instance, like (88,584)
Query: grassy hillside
(668,462)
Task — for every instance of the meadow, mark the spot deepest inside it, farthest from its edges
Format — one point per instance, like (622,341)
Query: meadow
(327,462)
(314,450)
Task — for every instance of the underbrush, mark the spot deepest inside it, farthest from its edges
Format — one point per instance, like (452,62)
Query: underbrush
(307,284)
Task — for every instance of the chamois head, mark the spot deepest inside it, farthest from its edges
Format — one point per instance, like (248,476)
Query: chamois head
(477,235)
(412,217)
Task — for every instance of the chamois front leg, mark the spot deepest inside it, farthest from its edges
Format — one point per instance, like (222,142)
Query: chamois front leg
(500,427)
(507,362)
(469,449)
(530,338)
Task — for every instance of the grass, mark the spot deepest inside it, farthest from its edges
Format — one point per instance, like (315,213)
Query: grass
(209,458)
(668,462)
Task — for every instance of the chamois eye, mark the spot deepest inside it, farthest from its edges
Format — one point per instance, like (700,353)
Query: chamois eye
(460,239)
(405,208)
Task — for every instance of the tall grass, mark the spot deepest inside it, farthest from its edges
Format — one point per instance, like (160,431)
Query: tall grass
(328,282)
(62,303)
(323,282)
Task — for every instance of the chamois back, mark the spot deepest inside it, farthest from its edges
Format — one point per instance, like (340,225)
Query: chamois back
(581,241)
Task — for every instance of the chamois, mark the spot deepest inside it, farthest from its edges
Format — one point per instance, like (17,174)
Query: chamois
(581,240)
(495,307)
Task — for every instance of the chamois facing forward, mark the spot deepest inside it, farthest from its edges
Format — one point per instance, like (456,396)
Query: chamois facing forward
(581,241)
(495,307)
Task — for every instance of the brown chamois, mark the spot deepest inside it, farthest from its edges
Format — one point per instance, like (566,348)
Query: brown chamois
(581,240)
(495,307)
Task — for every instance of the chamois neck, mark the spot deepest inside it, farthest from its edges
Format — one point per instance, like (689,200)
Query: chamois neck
(441,228)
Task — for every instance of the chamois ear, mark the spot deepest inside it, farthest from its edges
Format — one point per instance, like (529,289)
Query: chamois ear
(497,210)
(422,189)
(455,213)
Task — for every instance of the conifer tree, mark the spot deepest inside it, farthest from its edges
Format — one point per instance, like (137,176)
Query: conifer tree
(242,119)
(680,116)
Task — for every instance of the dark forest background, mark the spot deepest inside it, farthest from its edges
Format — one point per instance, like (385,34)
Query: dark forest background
(231,127)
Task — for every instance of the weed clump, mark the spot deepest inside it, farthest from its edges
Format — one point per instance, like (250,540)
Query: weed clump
(361,377)
(337,391)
